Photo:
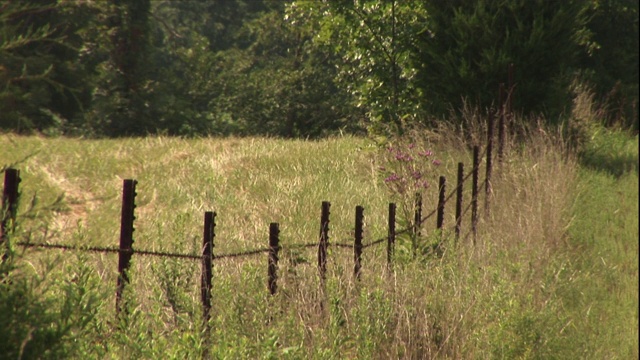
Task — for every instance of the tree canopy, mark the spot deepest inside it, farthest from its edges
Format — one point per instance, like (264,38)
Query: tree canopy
(302,68)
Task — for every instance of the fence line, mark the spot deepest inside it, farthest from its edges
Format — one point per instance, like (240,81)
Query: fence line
(127,227)
(126,249)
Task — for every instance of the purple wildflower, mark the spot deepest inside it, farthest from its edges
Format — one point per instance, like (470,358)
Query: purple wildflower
(436,162)
(425,153)
(403,157)
(411,146)
(391,178)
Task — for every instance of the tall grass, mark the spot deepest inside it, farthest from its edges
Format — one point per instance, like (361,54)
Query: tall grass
(532,286)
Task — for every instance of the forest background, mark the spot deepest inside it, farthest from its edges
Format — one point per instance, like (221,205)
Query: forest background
(304,68)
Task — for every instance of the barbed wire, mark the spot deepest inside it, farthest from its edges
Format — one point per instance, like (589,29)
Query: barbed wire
(341,245)
(375,242)
(102,249)
(109,250)
(243,253)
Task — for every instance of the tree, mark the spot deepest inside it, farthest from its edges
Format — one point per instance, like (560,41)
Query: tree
(468,46)
(611,65)
(282,83)
(42,85)
(374,40)
(122,104)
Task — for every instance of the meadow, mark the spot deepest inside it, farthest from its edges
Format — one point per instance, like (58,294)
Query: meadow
(553,272)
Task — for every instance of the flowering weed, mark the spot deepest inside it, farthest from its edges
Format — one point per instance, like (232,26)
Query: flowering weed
(408,170)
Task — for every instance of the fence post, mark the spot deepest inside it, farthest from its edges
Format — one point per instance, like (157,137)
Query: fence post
(9,208)
(324,240)
(501,122)
(459,200)
(511,89)
(126,238)
(274,247)
(489,163)
(357,244)
(417,223)
(474,192)
(441,202)
(207,266)
(391,237)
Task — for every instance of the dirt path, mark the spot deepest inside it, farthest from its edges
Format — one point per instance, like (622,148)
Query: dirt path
(79,200)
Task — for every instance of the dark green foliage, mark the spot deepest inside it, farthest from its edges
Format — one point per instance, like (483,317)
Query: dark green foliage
(612,64)
(126,87)
(468,46)
(282,84)
(42,84)
(302,68)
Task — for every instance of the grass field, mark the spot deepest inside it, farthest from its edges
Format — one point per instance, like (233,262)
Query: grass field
(553,274)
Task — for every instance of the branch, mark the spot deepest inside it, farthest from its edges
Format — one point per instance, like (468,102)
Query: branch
(376,37)
(167,26)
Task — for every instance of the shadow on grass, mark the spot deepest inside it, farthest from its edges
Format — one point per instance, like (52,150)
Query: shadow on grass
(614,163)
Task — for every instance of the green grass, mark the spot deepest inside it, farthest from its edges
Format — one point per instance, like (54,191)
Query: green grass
(601,290)
(553,274)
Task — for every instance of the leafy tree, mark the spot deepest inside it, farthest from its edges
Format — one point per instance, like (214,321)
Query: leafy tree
(189,68)
(282,83)
(374,40)
(267,77)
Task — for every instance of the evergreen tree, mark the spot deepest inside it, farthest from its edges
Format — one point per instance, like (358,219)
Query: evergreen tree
(42,84)
(466,50)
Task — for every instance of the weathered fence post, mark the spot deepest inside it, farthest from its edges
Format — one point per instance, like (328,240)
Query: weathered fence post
(489,162)
(391,236)
(474,192)
(441,203)
(207,265)
(322,251)
(357,244)
(274,247)
(417,223)
(9,208)
(324,240)
(206,276)
(459,200)
(501,125)
(510,93)
(126,238)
